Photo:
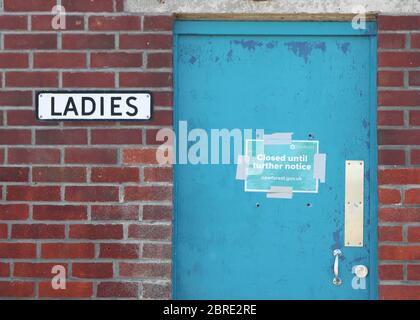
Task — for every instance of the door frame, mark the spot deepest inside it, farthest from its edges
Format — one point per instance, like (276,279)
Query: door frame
(288,24)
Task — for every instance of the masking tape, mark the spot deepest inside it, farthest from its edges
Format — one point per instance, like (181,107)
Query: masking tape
(320,162)
(280,193)
(242,167)
(278,138)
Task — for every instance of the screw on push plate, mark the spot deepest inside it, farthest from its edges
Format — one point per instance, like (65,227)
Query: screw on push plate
(257,205)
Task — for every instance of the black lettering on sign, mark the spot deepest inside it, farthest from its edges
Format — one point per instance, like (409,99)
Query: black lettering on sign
(134,107)
(53,112)
(85,112)
(115,106)
(70,106)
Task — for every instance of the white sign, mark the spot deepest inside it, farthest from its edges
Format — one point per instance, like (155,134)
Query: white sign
(78,105)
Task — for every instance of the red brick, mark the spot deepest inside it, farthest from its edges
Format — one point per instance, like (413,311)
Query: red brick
(33,156)
(15,136)
(157,291)
(150,231)
(88,6)
(67,250)
(29,5)
(92,270)
(61,137)
(17,250)
(413,234)
(97,231)
(88,80)
(151,137)
(30,41)
(391,157)
(391,41)
(91,156)
(412,196)
(14,174)
(163,99)
(13,60)
(92,194)
(37,231)
(399,176)
(399,252)
(13,23)
(398,137)
(391,78)
(58,174)
(117,290)
(43,23)
(158,213)
(414,78)
(399,292)
(4,270)
(60,60)
(159,60)
(146,41)
(399,214)
(398,22)
(413,272)
(415,41)
(157,23)
(33,193)
(157,251)
(32,79)
(26,118)
(16,289)
(150,193)
(389,196)
(15,98)
(399,59)
(399,98)
(88,41)
(35,270)
(114,23)
(3,231)
(386,233)
(14,211)
(414,117)
(55,212)
(119,175)
(391,272)
(145,79)
(158,174)
(119,5)
(415,156)
(145,270)
(159,118)
(73,290)
(1,156)
(119,251)
(139,156)
(116,60)
(116,136)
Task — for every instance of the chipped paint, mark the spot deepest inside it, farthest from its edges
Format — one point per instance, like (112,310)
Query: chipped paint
(303,49)
(248,44)
(192,60)
(344,47)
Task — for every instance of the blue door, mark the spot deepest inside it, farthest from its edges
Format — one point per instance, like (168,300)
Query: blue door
(315,80)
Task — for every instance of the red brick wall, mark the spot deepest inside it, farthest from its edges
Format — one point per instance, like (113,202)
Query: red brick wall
(88,196)
(399,156)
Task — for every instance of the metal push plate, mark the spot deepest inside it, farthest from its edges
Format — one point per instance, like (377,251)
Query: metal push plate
(353,214)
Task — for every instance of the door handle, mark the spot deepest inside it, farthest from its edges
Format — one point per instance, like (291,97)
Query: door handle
(337,254)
